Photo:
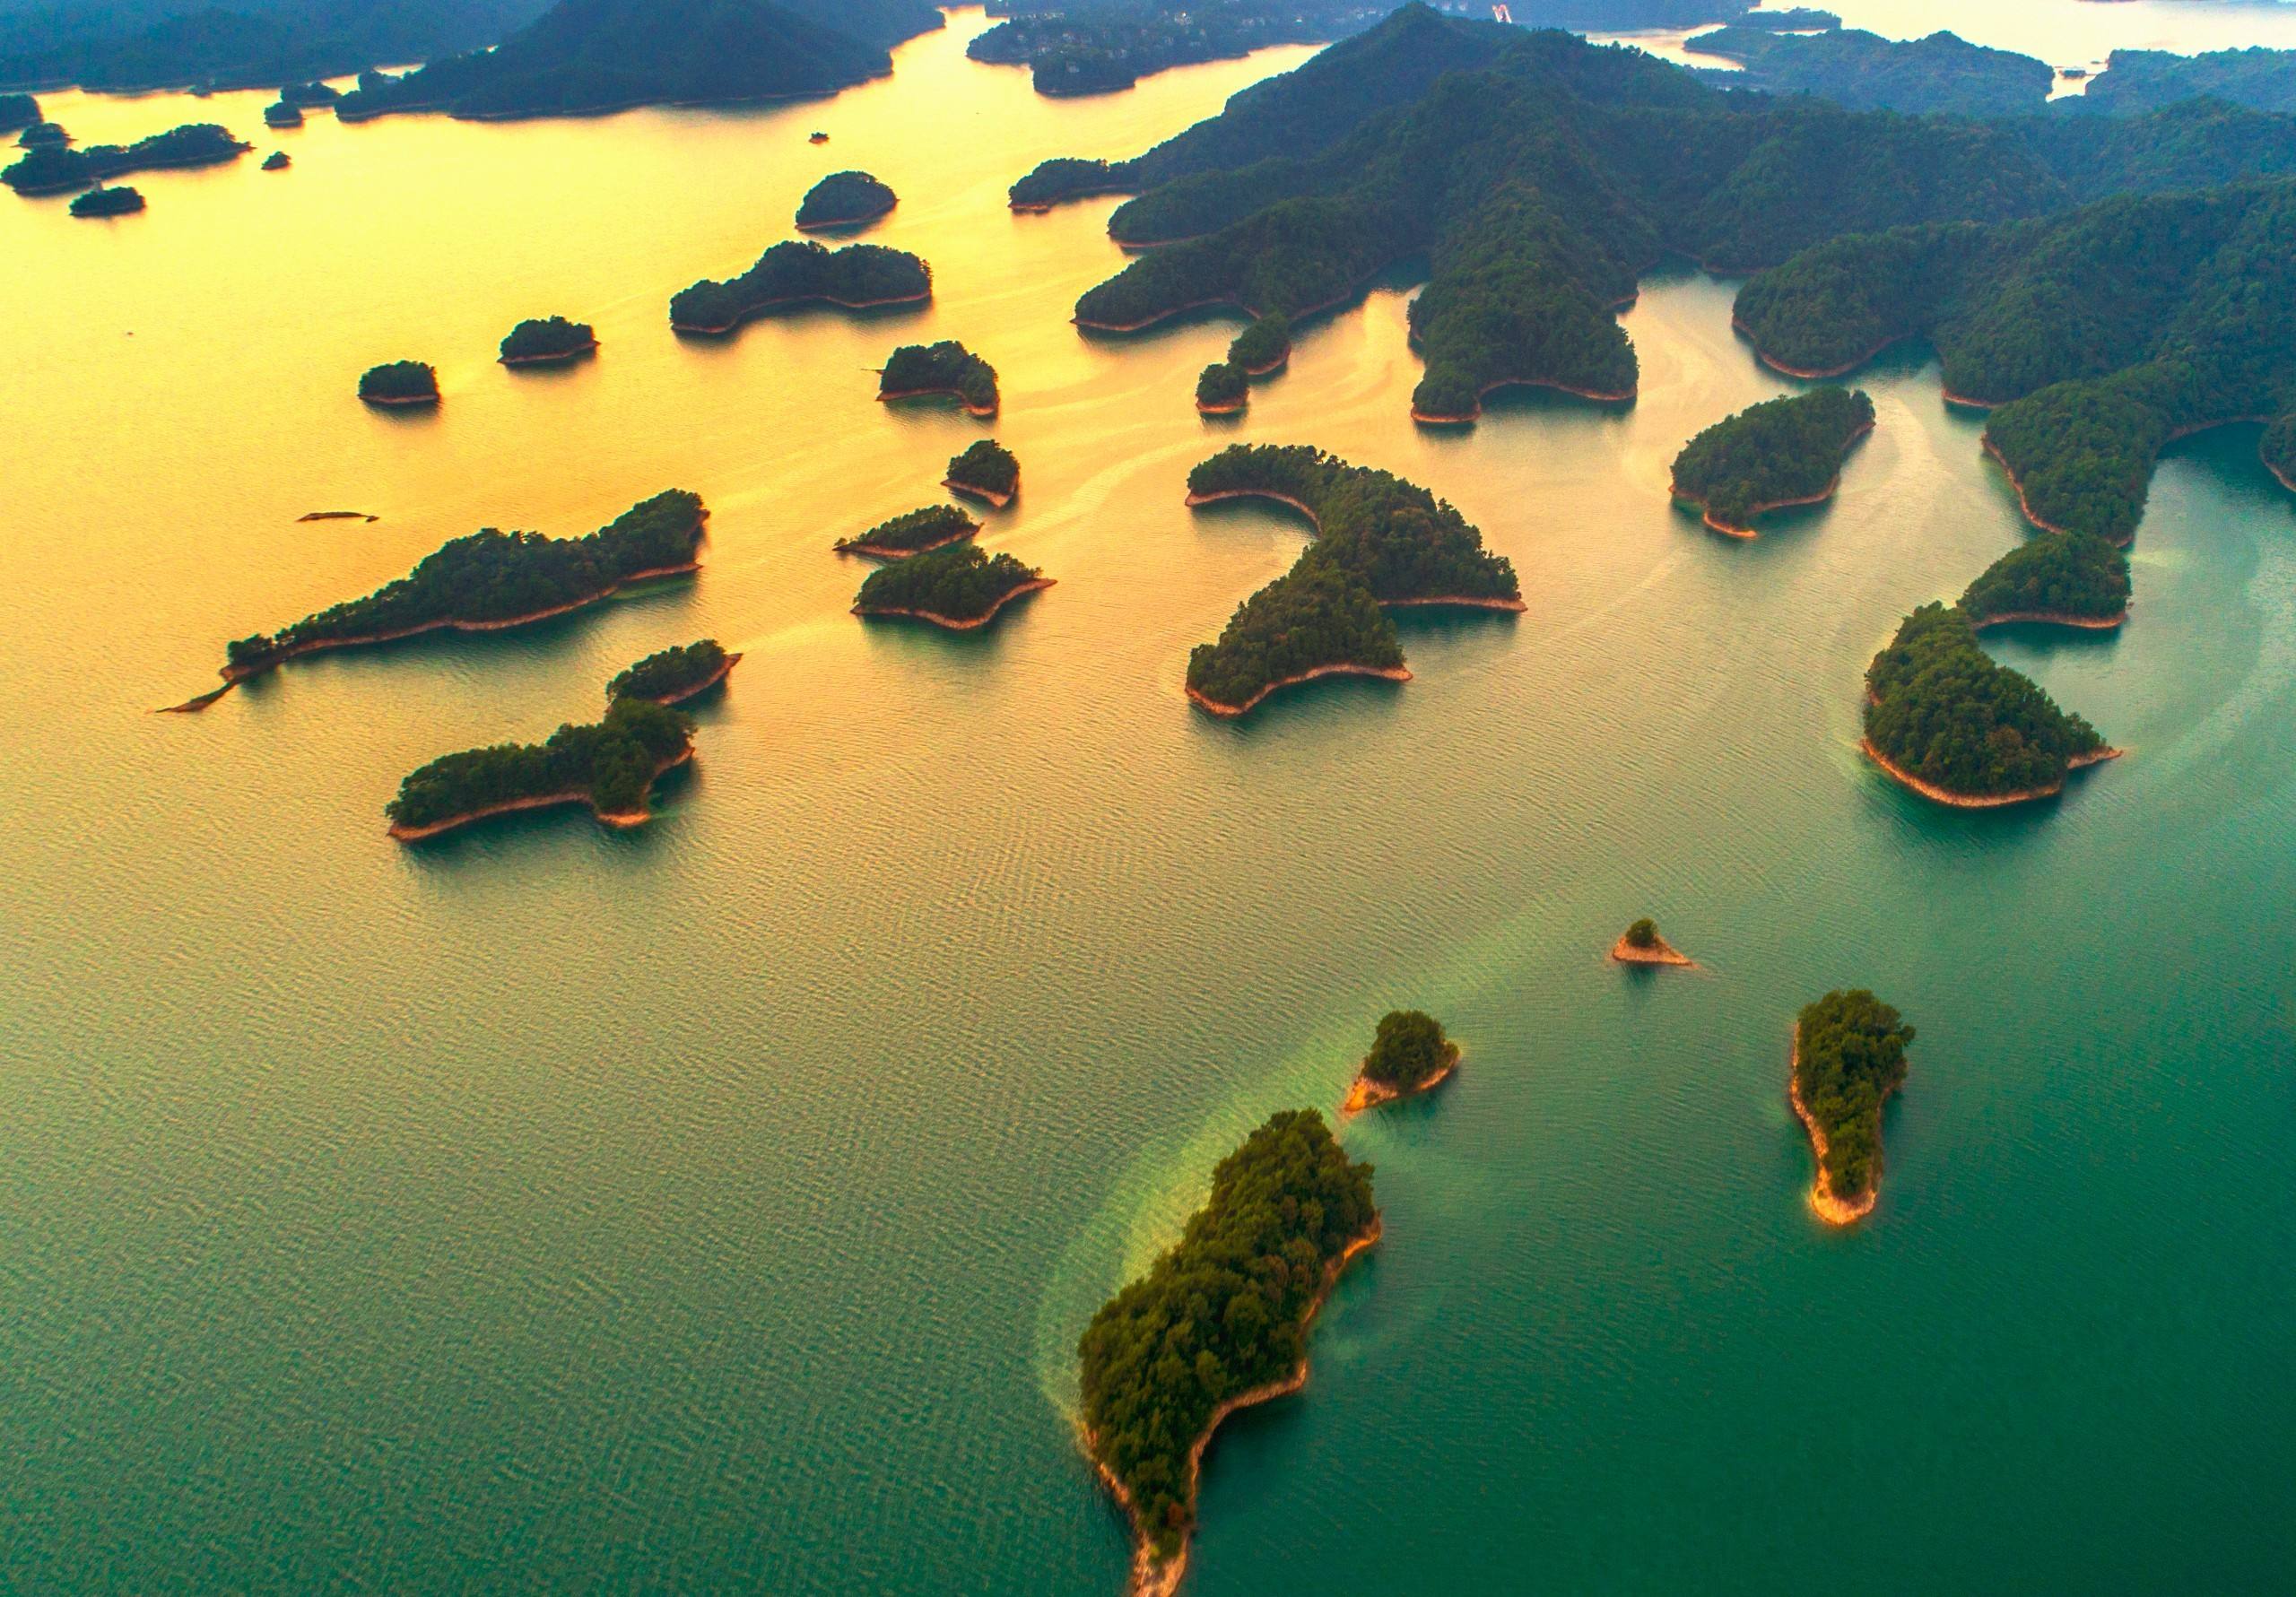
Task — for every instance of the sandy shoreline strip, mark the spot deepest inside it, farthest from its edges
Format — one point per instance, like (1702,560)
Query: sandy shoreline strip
(1832,1210)
(1980,801)
(1659,953)
(1364,1093)
(621,820)
(952,623)
(1393,673)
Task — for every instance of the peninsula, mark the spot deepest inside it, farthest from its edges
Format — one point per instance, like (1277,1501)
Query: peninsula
(2062,579)
(1640,944)
(547,342)
(1239,1291)
(845,200)
(800,271)
(1849,1057)
(609,765)
(1409,1055)
(673,675)
(490,581)
(398,383)
(1382,542)
(960,587)
(948,368)
(985,470)
(1944,720)
(1770,455)
(60,169)
(912,533)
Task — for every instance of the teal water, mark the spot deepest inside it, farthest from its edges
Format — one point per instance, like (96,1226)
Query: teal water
(716,1207)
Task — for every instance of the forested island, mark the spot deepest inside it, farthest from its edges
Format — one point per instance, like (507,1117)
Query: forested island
(2066,579)
(1943,719)
(1849,1057)
(280,114)
(959,587)
(1409,1053)
(18,110)
(2102,333)
(278,160)
(985,470)
(1379,542)
(673,675)
(844,200)
(1942,75)
(1221,389)
(1539,175)
(1263,348)
(1781,452)
(59,169)
(1640,944)
(107,202)
(1073,49)
(488,581)
(915,369)
(916,532)
(584,56)
(1218,1324)
(610,765)
(799,272)
(547,342)
(399,383)
(42,133)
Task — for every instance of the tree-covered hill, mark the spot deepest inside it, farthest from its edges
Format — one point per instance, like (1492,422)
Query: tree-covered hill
(1785,451)
(2074,577)
(1942,73)
(2148,80)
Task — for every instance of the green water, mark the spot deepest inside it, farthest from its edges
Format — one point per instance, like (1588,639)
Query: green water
(716,1207)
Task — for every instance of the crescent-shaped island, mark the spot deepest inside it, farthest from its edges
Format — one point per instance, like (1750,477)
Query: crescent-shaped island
(1779,453)
(1849,1057)
(912,533)
(958,588)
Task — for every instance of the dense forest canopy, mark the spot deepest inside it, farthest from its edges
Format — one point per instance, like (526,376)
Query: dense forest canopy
(1538,176)
(1093,50)
(2136,81)
(1263,347)
(1317,617)
(988,465)
(1942,73)
(612,762)
(1224,1311)
(2074,575)
(843,199)
(1849,1057)
(551,338)
(1780,452)
(944,368)
(2114,328)
(913,530)
(797,272)
(398,381)
(107,202)
(1942,710)
(491,576)
(1221,386)
(1408,1050)
(56,169)
(18,110)
(670,674)
(960,582)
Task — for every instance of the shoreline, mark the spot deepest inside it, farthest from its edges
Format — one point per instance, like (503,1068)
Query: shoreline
(750,313)
(619,820)
(725,670)
(1295,318)
(1515,606)
(551,360)
(1272,368)
(1392,674)
(1980,801)
(1194,500)
(1235,408)
(951,623)
(885,551)
(1469,418)
(615,110)
(1833,1211)
(2050,617)
(75,186)
(970,409)
(1364,1093)
(1806,373)
(1748,532)
(2279,477)
(2026,505)
(1660,953)
(233,675)
(1154,1577)
(986,496)
(846,221)
(397,402)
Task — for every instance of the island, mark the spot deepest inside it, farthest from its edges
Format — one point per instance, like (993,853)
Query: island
(1239,1291)
(2062,579)
(278,160)
(18,110)
(42,133)
(959,587)
(1849,1057)
(399,383)
(1079,49)
(281,113)
(800,271)
(1770,455)
(311,96)
(100,200)
(844,200)
(913,533)
(673,675)
(1944,720)
(547,342)
(1222,390)
(56,169)
(1263,348)
(610,765)
(490,581)
(985,470)
(1640,944)
(948,368)
(1381,544)
(1409,1055)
